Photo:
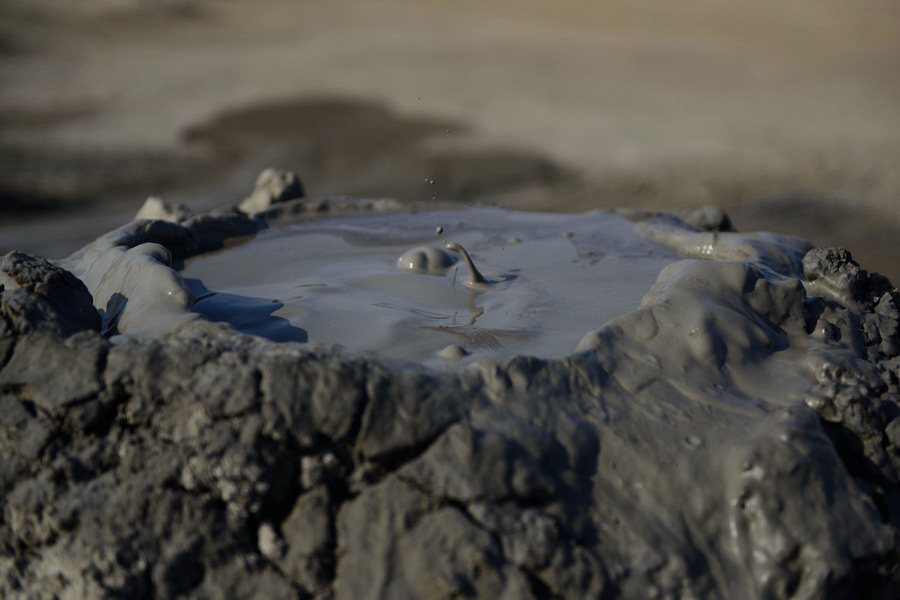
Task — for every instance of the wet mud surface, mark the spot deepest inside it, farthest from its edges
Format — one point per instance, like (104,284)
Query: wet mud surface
(735,435)
(394,286)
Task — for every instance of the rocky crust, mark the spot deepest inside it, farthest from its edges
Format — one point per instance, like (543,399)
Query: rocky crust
(656,461)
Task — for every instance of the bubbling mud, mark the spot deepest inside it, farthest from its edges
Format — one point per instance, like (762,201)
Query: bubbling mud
(426,259)
(339,281)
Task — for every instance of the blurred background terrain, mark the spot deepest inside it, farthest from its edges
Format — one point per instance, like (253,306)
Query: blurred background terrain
(786,114)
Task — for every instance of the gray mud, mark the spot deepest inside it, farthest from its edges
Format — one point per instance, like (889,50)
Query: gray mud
(735,435)
(385,282)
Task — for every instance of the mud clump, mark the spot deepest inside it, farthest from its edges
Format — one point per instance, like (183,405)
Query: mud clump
(272,186)
(738,435)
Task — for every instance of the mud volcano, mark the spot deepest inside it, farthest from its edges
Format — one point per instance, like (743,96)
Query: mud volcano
(265,403)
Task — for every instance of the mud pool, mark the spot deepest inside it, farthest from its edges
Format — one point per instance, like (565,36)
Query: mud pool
(550,279)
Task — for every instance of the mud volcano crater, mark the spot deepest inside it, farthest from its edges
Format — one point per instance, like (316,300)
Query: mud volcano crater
(622,405)
(389,283)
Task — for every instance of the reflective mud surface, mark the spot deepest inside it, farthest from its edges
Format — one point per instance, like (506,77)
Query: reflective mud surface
(548,280)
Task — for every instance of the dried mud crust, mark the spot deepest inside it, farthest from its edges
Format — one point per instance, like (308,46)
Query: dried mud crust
(208,464)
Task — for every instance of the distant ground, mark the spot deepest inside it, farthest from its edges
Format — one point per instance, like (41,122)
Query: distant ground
(786,114)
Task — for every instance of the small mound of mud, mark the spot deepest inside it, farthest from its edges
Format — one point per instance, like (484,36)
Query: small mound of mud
(735,435)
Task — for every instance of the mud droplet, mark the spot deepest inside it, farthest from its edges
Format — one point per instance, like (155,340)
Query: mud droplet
(475,277)
(439,230)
